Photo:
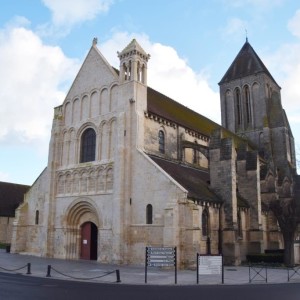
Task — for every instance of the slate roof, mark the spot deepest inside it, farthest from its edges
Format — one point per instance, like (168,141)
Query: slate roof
(11,196)
(194,180)
(171,110)
(246,63)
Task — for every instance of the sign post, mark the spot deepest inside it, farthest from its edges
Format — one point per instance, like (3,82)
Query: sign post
(160,257)
(210,265)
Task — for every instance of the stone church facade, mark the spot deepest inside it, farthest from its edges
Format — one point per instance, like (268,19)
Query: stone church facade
(129,167)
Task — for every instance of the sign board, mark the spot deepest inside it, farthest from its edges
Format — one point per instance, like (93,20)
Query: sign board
(210,265)
(160,257)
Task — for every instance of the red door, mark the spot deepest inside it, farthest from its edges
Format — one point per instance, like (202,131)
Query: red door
(85,241)
(89,241)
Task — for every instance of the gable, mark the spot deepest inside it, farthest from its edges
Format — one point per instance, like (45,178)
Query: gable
(94,73)
(194,180)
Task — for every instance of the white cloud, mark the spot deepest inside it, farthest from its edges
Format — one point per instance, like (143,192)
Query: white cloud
(169,74)
(33,76)
(294,24)
(67,13)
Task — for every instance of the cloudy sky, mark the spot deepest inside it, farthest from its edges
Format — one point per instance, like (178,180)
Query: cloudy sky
(192,43)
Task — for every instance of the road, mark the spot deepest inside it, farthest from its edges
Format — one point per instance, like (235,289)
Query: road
(24,287)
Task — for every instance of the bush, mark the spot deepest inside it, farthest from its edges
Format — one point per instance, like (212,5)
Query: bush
(267,258)
(2,246)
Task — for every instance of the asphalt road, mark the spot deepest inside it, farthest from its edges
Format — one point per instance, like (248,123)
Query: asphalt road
(22,287)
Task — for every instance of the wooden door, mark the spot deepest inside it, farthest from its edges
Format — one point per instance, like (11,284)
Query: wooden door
(89,241)
(85,252)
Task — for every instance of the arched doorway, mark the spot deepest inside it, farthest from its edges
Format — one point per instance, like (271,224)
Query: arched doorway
(89,241)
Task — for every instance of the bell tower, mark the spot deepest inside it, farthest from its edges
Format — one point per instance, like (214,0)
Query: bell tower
(251,107)
(133,63)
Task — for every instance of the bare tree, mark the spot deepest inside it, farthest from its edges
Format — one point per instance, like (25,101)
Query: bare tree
(287,213)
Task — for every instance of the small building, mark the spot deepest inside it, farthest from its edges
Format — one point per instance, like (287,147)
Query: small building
(11,196)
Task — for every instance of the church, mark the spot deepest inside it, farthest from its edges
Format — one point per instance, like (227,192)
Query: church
(129,167)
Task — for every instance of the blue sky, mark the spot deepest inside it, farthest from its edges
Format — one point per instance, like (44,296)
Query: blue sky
(191,42)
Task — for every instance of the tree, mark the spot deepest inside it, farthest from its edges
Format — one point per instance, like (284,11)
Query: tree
(287,213)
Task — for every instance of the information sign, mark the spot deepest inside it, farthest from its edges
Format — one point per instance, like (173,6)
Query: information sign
(160,257)
(210,265)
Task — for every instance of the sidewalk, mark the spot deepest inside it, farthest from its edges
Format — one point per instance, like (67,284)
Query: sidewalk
(89,270)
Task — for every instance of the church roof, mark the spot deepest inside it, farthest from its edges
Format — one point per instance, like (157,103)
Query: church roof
(171,110)
(11,196)
(194,180)
(246,63)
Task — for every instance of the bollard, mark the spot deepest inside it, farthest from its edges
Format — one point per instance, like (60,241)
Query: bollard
(28,269)
(118,275)
(48,271)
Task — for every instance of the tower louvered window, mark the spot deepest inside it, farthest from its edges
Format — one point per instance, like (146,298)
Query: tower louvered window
(248,106)
(238,106)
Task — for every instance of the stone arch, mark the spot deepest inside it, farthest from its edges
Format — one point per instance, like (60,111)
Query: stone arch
(247,105)
(238,107)
(79,212)
(162,139)
(72,146)
(114,94)
(76,111)
(111,137)
(86,126)
(100,180)
(61,184)
(104,101)
(68,113)
(79,134)
(65,148)
(109,180)
(85,107)
(229,107)
(95,103)
(103,148)
(68,183)
(255,102)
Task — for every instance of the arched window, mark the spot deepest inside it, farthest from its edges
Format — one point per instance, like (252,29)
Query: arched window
(248,105)
(37,216)
(88,146)
(205,223)
(161,141)
(149,214)
(238,106)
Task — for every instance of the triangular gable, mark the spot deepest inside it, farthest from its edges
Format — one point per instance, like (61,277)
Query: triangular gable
(194,180)
(95,72)
(246,63)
